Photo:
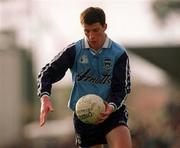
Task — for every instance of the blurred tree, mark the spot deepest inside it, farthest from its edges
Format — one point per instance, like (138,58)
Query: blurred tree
(163,8)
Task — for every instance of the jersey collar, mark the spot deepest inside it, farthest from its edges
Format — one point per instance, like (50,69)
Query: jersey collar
(106,44)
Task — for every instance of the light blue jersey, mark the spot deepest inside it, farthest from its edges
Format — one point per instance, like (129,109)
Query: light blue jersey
(104,73)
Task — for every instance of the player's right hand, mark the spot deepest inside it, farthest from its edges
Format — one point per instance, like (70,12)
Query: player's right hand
(46,106)
(104,115)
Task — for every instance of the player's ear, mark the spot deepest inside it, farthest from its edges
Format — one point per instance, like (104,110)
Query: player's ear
(104,26)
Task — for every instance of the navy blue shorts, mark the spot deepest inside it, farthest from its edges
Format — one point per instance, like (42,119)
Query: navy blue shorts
(88,135)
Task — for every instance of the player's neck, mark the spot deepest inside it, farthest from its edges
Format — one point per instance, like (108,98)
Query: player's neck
(96,48)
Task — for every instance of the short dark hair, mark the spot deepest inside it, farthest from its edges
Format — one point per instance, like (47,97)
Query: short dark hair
(93,15)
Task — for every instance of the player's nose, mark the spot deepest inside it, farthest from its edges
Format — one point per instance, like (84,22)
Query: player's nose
(91,36)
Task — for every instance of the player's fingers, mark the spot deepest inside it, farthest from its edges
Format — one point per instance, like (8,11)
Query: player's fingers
(51,108)
(104,115)
(101,118)
(42,121)
(43,116)
(99,121)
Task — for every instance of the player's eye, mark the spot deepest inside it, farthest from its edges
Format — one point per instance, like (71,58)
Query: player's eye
(96,30)
(86,31)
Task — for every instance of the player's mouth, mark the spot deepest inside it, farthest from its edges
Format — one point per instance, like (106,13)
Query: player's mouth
(93,42)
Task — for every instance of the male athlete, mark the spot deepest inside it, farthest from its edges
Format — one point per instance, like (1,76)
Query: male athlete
(98,66)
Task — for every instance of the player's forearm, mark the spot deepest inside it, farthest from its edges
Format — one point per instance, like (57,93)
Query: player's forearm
(44,85)
(117,99)
(55,70)
(120,85)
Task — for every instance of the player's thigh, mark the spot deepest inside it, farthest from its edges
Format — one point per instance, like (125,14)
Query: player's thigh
(119,137)
(97,146)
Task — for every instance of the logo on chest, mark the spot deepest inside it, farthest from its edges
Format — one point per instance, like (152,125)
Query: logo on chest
(83,59)
(107,63)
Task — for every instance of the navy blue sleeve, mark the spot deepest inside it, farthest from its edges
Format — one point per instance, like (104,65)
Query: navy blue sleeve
(120,85)
(55,70)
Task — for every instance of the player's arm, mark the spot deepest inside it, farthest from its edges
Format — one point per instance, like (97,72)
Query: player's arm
(120,85)
(50,74)
(55,70)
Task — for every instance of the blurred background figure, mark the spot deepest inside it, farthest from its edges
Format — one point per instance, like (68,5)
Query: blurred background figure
(33,31)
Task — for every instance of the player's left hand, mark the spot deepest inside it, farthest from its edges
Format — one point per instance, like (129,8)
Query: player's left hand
(104,115)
